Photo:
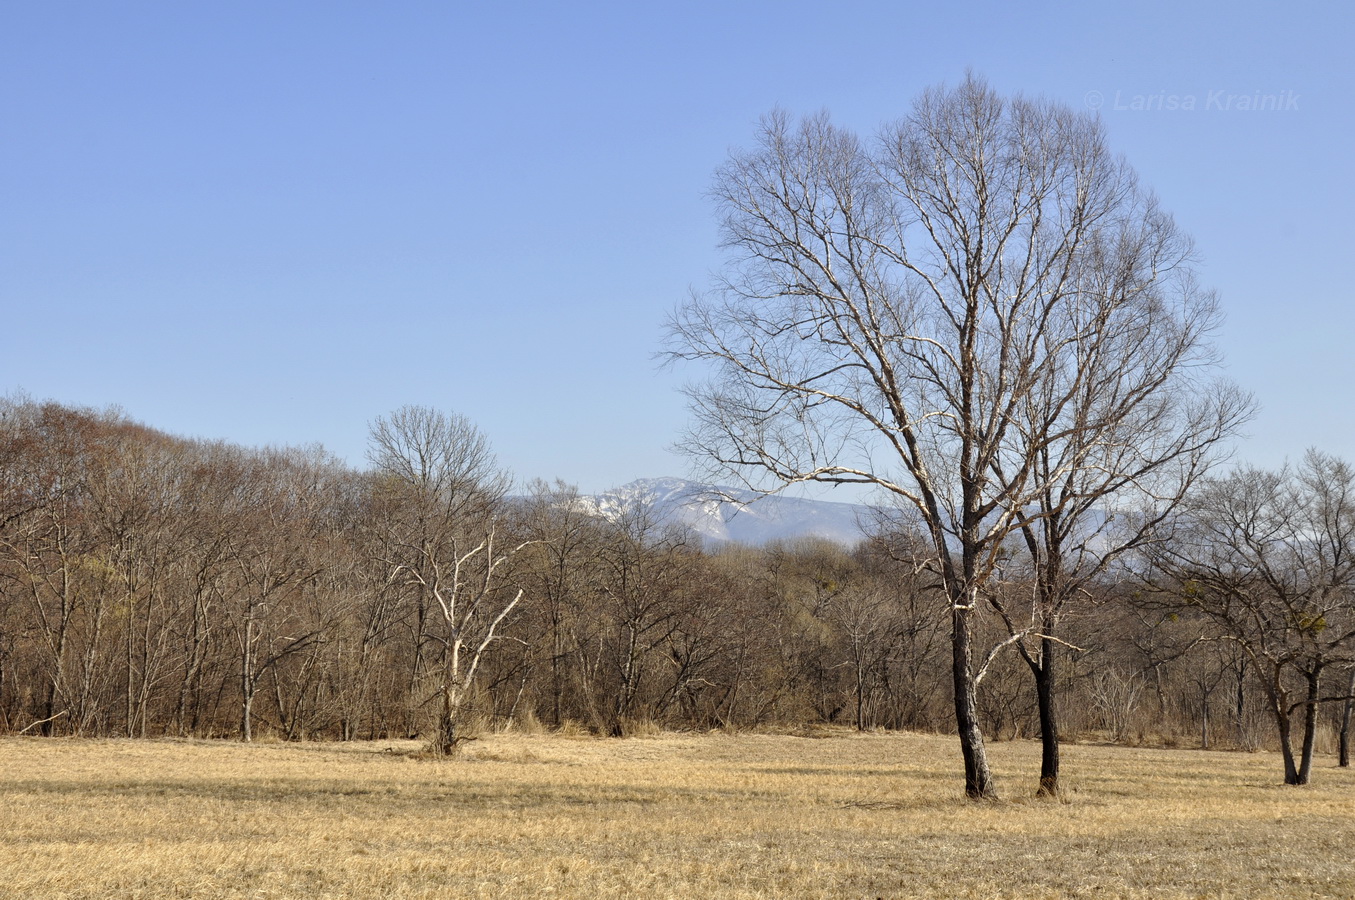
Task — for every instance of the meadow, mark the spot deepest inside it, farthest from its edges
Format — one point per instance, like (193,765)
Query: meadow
(830,814)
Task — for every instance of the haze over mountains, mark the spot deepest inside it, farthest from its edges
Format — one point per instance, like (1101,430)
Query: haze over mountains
(745,517)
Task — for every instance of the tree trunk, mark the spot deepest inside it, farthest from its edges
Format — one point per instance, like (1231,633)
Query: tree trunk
(1343,752)
(1279,703)
(129,713)
(448,736)
(1049,728)
(246,716)
(1309,726)
(247,683)
(192,667)
(1204,719)
(978,777)
(416,667)
(860,690)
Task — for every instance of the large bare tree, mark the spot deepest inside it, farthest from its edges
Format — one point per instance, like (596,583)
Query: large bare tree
(920,312)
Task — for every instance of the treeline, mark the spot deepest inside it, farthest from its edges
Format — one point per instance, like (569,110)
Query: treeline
(151,585)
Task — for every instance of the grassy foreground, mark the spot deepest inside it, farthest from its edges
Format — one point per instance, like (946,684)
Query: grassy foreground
(688,816)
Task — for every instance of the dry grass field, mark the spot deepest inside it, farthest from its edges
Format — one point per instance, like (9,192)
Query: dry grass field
(690,816)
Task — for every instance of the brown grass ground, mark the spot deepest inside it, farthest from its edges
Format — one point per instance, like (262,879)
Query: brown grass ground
(690,816)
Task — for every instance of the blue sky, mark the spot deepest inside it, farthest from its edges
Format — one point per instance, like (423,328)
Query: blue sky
(271,223)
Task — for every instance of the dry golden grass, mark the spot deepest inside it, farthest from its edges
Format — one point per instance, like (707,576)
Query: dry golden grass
(690,816)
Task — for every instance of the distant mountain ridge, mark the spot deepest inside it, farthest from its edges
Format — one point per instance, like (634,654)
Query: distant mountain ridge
(727,514)
(723,515)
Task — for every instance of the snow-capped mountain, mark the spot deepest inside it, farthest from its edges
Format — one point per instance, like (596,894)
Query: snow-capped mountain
(726,514)
(736,515)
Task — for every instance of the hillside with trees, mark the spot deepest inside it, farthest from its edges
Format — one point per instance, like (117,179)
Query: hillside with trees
(152,586)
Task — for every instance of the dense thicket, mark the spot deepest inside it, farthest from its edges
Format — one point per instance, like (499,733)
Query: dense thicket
(151,585)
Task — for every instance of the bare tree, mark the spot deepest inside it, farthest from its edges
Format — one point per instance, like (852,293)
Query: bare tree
(1343,737)
(643,565)
(368,660)
(561,570)
(892,315)
(1269,558)
(270,560)
(1117,444)
(59,561)
(897,554)
(441,494)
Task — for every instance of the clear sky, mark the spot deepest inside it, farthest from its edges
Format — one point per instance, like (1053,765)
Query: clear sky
(272,222)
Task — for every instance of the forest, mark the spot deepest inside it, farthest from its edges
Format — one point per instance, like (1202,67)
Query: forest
(152,585)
